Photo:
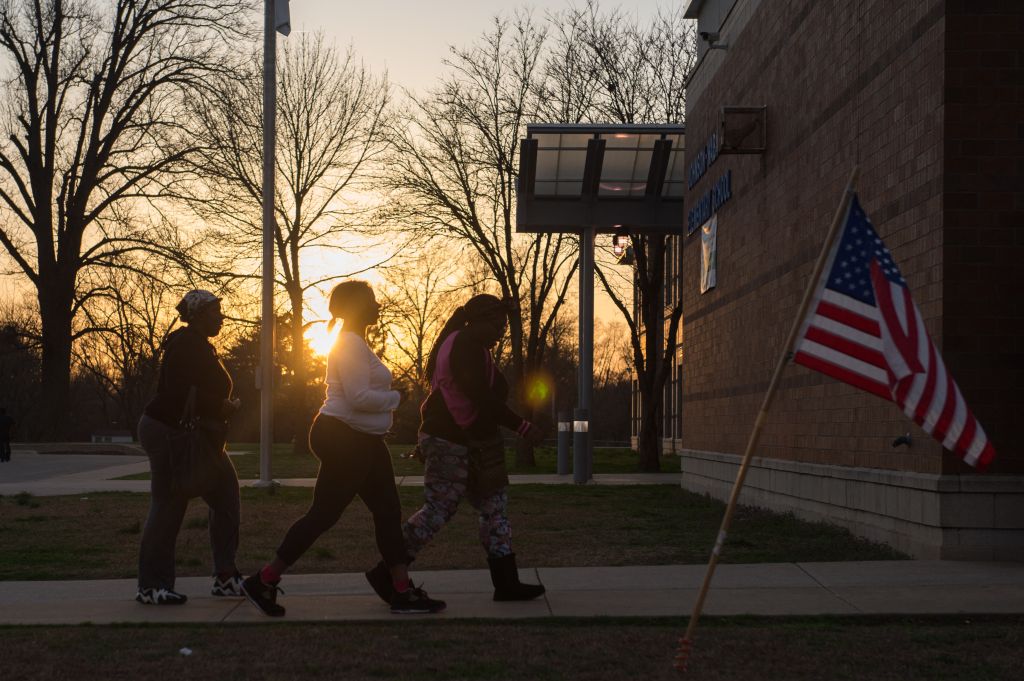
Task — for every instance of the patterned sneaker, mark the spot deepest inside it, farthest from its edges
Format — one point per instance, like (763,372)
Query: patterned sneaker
(263,596)
(160,597)
(415,601)
(228,588)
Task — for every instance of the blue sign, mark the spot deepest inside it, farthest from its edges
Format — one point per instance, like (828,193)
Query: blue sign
(709,204)
(704,159)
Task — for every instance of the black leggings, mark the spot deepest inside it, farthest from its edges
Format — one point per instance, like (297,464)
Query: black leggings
(351,463)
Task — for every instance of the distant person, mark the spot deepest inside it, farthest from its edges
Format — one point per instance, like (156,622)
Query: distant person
(6,423)
(347,436)
(462,447)
(189,360)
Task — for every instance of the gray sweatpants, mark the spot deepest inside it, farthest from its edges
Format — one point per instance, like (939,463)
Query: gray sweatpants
(167,510)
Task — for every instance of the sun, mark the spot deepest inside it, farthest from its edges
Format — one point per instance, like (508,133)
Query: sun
(320,339)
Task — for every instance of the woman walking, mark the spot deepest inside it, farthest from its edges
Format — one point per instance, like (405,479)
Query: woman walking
(347,436)
(192,379)
(462,447)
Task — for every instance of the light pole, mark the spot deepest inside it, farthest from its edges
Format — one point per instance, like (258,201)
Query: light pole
(275,18)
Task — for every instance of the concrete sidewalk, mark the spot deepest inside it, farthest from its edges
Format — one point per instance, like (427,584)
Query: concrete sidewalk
(47,475)
(876,588)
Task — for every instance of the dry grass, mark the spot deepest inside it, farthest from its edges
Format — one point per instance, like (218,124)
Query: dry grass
(801,649)
(97,536)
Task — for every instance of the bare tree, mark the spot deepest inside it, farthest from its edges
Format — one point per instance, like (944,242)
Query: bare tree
(92,117)
(643,69)
(417,299)
(131,312)
(331,129)
(455,167)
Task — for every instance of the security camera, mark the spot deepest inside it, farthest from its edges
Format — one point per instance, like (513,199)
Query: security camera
(709,36)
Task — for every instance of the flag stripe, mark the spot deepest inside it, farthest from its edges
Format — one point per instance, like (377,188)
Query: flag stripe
(959,420)
(949,406)
(846,346)
(868,340)
(929,388)
(986,456)
(842,373)
(848,317)
(852,304)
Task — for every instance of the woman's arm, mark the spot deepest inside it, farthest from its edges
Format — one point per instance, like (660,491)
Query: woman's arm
(469,370)
(348,364)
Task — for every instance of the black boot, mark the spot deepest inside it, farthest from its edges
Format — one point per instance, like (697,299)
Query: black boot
(507,586)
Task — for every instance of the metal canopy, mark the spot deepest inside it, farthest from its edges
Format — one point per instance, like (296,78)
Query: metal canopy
(602,177)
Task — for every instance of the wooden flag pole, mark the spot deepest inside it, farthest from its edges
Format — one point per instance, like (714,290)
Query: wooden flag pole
(686,643)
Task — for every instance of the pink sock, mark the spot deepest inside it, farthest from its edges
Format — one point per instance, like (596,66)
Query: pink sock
(268,576)
(400,585)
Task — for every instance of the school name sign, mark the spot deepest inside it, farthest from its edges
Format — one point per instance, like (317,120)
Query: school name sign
(718,194)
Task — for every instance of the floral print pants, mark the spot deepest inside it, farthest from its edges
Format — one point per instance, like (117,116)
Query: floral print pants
(445,478)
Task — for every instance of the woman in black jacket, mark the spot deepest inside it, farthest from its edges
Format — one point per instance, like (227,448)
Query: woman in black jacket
(462,446)
(189,365)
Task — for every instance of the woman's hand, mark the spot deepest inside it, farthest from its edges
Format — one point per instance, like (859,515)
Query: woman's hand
(230,406)
(530,433)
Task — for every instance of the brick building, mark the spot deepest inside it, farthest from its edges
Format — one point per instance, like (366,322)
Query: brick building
(927,98)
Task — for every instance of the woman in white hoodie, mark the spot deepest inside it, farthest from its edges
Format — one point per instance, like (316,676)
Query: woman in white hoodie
(347,436)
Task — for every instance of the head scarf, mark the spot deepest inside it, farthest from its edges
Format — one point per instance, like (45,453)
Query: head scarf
(193,302)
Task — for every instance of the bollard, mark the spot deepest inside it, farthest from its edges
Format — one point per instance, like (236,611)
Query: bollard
(580,445)
(564,442)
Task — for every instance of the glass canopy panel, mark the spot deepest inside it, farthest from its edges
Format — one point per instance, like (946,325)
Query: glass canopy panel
(676,170)
(569,189)
(625,165)
(575,140)
(547,165)
(621,141)
(546,140)
(571,163)
(620,188)
(560,164)
(647,141)
(545,188)
(673,189)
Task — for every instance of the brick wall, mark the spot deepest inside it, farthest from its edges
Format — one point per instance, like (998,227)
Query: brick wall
(983,254)
(845,83)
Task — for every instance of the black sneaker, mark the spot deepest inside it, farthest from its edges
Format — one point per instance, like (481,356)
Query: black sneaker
(415,601)
(227,588)
(263,596)
(160,597)
(380,579)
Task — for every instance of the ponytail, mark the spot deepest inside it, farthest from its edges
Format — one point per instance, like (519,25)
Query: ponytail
(482,306)
(454,323)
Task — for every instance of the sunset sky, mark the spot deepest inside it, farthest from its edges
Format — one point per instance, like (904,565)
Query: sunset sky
(410,38)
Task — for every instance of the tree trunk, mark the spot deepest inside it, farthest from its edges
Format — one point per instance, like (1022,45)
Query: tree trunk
(524,450)
(55,304)
(649,439)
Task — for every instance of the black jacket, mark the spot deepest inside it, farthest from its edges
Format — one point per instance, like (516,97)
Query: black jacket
(189,359)
(469,370)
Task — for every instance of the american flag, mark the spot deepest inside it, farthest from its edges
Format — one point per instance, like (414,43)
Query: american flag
(864,329)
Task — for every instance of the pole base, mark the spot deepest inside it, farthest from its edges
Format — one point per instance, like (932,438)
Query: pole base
(269,485)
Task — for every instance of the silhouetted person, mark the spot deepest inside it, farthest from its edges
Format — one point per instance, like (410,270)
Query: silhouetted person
(189,361)
(347,436)
(462,446)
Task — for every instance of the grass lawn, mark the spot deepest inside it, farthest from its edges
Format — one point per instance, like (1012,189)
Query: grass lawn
(789,649)
(97,536)
(285,463)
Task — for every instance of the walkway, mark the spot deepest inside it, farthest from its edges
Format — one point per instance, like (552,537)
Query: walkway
(875,588)
(46,475)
